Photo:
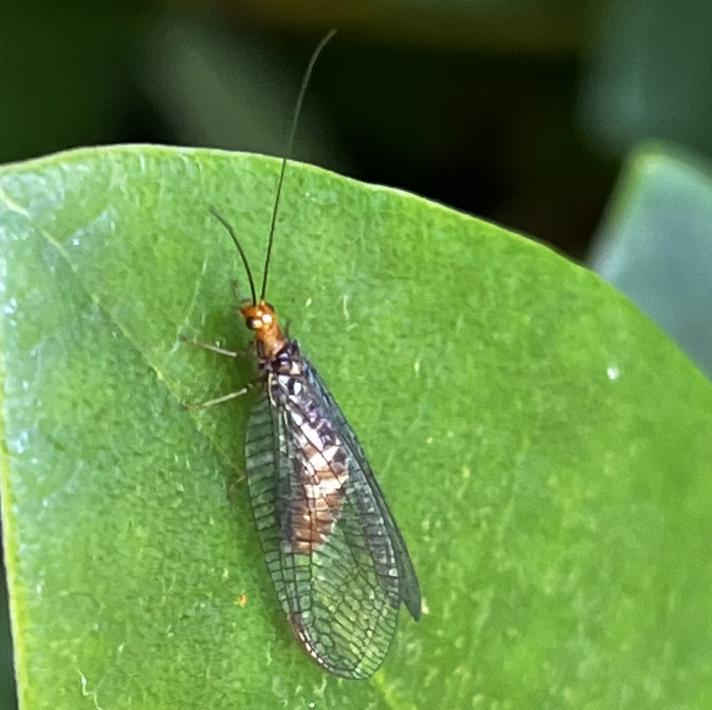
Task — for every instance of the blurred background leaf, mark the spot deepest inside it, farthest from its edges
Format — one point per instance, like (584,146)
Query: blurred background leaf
(649,74)
(519,111)
(656,245)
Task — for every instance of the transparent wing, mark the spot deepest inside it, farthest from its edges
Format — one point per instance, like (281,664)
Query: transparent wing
(341,589)
(409,587)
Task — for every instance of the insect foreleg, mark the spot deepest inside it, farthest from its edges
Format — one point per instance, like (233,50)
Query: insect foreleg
(214,348)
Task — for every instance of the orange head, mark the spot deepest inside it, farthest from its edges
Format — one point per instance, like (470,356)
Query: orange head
(262,319)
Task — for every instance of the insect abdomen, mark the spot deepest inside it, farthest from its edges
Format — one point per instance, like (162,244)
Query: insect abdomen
(320,464)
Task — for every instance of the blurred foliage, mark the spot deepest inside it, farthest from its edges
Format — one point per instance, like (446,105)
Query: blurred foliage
(649,74)
(656,244)
(480,117)
(534,27)
(228,89)
(66,74)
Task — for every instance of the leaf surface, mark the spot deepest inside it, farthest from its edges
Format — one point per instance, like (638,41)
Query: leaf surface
(544,448)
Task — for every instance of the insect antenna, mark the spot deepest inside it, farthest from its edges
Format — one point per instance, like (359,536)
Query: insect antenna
(241,251)
(288,153)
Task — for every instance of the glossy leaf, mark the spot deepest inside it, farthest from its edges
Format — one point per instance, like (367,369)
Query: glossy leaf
(543,446)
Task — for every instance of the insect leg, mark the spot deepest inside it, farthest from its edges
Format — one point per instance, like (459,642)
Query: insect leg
(211,348)
(220,400)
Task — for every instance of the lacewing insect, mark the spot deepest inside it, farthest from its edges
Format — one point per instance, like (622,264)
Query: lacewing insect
(338,562)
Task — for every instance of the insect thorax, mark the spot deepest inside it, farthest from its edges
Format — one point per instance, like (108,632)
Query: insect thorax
(288,361)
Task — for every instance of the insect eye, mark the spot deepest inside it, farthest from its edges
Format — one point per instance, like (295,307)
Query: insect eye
(253,323)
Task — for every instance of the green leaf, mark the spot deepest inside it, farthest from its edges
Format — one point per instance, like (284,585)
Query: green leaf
(544,447)
(656,244)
